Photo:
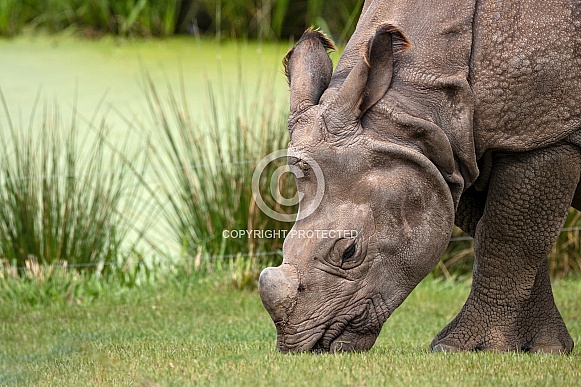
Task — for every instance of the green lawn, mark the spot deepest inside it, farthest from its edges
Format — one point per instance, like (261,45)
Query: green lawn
(207,333)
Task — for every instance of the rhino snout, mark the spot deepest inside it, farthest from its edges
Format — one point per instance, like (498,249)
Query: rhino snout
(278,287)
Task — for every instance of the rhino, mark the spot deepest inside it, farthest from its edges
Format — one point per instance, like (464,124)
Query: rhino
(438,113)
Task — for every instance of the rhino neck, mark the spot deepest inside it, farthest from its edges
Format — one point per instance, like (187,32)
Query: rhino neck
(417,124)
(441,35)
(430,78)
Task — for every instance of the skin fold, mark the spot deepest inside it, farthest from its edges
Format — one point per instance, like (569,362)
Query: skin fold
(465,112)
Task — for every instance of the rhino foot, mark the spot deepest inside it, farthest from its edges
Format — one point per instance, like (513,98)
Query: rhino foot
(550,345)
(479,327)
(559,343)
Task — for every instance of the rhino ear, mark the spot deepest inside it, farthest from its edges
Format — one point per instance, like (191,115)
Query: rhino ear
(371,77)
(308,69)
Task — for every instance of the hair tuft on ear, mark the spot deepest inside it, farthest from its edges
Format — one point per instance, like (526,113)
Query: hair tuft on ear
(308,69)
(310,33)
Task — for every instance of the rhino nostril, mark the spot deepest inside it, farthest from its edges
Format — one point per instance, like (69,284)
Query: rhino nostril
(301,288)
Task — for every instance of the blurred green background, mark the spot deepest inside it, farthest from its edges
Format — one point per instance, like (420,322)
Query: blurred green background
(232,19)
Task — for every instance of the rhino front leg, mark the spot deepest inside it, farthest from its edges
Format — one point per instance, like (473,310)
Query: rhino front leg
(511,304)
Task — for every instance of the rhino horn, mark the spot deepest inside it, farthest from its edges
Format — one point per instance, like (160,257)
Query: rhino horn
(308,69)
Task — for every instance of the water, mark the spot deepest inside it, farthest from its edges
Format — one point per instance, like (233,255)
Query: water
(63,67)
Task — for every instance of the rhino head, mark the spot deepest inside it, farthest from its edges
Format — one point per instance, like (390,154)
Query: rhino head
(383,178)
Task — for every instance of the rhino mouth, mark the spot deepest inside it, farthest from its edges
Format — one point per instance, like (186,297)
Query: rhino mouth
(328,338)
(354,333)
(297,342)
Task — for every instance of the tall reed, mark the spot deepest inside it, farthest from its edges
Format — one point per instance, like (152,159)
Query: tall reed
(14,14)
(270,19)
(564,258)
(62,193)
(125,18)
(205,169)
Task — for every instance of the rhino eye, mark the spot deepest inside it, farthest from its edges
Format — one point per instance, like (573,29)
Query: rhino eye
(344,254)
(303,165)
(349,252)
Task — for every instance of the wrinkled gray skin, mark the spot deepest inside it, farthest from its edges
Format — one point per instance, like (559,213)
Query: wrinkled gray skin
(437,113)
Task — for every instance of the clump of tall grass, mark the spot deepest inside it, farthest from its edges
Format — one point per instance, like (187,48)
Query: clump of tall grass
(458,258)
(205,168)
(62,194)
(564,258)
(248,19)
(124,18)
(38,284)
(14,14)
(278,19)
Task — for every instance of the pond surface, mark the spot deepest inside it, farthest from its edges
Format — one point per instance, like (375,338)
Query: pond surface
(75,72)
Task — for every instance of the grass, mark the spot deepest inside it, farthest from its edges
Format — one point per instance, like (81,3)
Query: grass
(206,333)
(191,324)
